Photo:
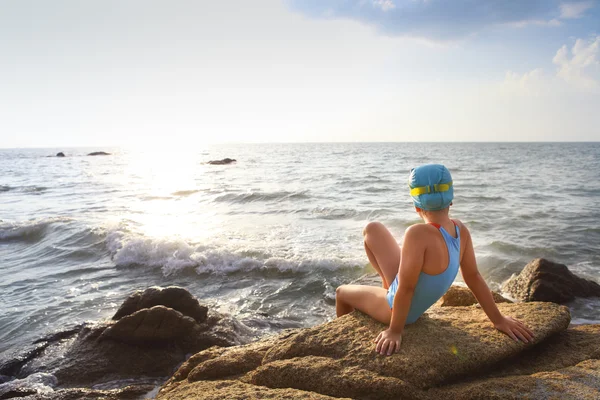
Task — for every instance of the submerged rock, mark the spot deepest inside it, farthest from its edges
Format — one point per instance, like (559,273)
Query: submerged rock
(222,162)
(99,153)
(543,280)
(338,358)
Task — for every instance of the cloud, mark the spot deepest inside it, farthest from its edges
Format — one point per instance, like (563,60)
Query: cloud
(531,83)
(385,5)
(574,10)
(581,66)
(578,70)
(441,20)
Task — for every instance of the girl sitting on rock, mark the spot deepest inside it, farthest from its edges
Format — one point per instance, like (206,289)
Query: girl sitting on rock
(418,274)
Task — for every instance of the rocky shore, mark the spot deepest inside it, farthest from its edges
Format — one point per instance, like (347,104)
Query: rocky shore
(452,352)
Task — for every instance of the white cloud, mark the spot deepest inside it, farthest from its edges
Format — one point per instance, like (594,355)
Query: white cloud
(581,66)
(385,5)
(529,83)
(575,10)
(538,22)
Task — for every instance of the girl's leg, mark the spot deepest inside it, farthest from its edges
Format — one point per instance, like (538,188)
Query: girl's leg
(383,251)
(370,300)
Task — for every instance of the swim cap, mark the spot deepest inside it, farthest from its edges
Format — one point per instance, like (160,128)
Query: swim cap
(431,187)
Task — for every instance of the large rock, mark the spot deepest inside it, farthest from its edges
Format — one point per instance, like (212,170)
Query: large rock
(146,342)
(543,280)
(172,297)
(338,358)
(236,390)
(458,296)
(581,381)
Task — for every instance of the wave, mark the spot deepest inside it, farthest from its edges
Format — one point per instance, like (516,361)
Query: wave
(4,188)
(27,230)
(250,197)
(512,248)
(174,256)
(39,383)
(33,189)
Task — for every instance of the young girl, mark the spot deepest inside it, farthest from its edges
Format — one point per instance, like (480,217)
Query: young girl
(417,275)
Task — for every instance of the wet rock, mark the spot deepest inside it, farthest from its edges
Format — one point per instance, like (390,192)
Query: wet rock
(98,153)
(130,392)
(60,154)
(222,162)
(458,296)
(338,359)
(543,280)
(147,342)
(173,297)
(151,325)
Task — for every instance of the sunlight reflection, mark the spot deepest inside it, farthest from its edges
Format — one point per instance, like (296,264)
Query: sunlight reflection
(169,193)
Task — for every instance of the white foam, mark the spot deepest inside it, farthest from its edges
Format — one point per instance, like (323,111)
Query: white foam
(175,255)
(40,382)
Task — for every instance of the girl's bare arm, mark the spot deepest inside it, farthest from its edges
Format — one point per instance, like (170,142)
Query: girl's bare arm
(468,266)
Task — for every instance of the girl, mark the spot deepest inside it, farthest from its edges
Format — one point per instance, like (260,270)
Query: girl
(418,274)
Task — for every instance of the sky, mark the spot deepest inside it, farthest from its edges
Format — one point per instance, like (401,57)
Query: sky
(186,73)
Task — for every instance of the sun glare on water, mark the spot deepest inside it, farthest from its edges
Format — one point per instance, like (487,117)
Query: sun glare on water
(170,200)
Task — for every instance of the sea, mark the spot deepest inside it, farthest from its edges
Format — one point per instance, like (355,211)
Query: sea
(269,237)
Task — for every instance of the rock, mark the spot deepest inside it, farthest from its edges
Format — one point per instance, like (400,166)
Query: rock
(99,153)
(543,280)
(154,325)
(60,154)
(148,342)
(576,344)
(581,381)
(173,297)
(235,390)
(222,162)
(338,359)
(129,392)
(458,296)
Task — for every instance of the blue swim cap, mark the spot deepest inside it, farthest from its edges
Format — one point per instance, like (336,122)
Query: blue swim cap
(431,187)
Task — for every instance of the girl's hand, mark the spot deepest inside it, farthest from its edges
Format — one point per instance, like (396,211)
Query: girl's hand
(515,329)
(388,342)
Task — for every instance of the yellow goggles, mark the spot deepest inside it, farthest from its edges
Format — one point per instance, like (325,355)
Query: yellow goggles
(441,187)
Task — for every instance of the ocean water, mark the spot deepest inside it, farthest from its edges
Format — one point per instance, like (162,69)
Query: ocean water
(269,238)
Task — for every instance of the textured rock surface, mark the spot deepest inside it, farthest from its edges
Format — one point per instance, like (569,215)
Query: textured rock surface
(581,381)
(147,342)
(458,296)
(338,359)
(236,390)
(176,298)
(543,280)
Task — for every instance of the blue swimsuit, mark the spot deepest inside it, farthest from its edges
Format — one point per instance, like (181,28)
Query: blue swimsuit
(430,288)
